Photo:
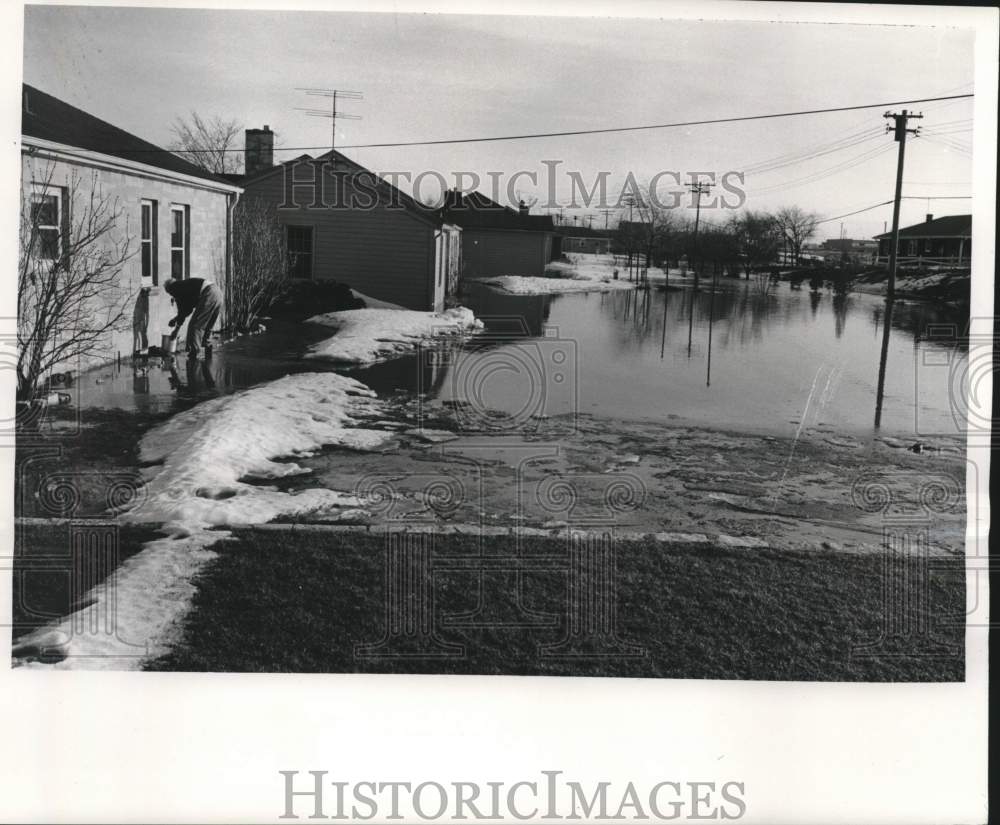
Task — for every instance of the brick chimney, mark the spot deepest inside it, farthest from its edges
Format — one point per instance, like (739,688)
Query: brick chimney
(258,152)
(930,218)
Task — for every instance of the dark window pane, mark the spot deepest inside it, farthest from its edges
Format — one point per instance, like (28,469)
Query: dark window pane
(177,235)
(45,210)
(147,260)
(177,263)
(147,221)
(48,243)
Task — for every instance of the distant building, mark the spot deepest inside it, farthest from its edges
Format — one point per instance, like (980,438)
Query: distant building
(584,239)
(940,241)
(852,246)
(498,240)
(344,223)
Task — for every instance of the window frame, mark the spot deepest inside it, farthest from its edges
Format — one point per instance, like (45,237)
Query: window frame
(152,241)
(312,250)
(44,190)
(185,248)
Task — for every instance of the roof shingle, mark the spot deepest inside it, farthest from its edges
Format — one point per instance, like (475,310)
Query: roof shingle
(48,118)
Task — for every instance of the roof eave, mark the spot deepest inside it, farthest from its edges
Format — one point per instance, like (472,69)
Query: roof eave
(90,157)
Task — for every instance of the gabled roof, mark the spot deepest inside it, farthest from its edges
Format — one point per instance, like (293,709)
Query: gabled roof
(950,226)
(479,212)
(337,161)
(48,118)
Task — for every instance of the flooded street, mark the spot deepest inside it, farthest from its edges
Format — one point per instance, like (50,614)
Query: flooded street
(746,411)
(741,357)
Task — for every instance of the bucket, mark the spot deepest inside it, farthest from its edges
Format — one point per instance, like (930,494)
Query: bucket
(167,343)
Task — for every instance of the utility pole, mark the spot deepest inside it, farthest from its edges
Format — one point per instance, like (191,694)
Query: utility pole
(899,135)
(697,189)
(333,114)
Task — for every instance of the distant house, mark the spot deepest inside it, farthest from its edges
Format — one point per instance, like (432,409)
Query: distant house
(942,241)
(498,240)
(584,239)
(344,223)
(173,216)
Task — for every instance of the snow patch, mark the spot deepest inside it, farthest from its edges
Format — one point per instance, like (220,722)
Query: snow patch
(522,285)
(206,453)
(368,335)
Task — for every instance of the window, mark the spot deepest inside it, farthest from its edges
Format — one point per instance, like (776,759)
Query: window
(299,240)
(147,240)
(179,230)
(47,220)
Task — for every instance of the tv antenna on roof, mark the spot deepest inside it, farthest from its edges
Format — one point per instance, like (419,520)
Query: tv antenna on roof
(333,114)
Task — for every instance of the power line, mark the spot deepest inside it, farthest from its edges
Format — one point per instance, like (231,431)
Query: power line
(655,126)
(856,212)
(679,124)
(843,166)
(764,167)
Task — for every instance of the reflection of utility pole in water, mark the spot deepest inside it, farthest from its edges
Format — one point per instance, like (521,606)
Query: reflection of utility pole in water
(711,323)
(663,340)
(886,326)
(690,319)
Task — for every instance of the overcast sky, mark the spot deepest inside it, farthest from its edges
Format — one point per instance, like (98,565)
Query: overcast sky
(430,77)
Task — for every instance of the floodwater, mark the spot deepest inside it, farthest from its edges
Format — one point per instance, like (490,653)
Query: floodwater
(739,355)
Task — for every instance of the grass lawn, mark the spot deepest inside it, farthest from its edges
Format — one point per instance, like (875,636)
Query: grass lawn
(278,602)
(54,567)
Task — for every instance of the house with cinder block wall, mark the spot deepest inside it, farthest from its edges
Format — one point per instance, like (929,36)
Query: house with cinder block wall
(175,217)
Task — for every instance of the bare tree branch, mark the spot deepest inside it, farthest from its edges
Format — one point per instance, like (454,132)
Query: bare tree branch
(69,303)
(208,143)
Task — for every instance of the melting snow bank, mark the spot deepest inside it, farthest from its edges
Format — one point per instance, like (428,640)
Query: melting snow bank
(367,335)
(520,285)
(206,453)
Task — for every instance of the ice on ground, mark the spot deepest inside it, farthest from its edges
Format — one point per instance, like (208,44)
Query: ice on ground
(205,454)
(522,285)
(367,335)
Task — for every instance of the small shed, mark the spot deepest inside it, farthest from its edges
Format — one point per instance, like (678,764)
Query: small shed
(498,240)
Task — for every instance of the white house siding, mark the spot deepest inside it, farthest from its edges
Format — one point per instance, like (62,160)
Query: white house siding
(487,253)
(207,236)
(385,251)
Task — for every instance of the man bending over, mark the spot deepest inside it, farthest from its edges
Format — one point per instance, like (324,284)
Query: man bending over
(202,300)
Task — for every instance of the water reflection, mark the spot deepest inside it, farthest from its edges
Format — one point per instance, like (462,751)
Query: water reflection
(749,355)
(773,356)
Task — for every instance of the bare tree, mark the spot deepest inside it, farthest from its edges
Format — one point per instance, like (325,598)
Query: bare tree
(260,263)
(758,237)
(651,228)
(797,227)
(209,144)
(74,245)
